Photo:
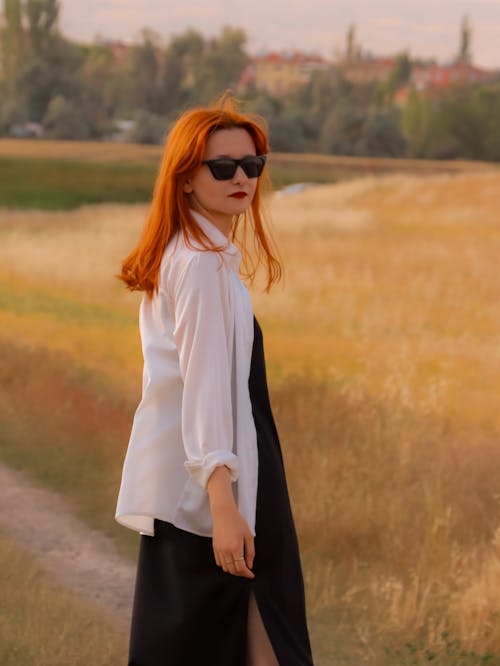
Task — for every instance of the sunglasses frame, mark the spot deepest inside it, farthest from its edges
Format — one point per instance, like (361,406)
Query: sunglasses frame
(212,165)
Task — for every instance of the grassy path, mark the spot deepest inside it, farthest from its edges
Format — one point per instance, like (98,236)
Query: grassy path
(43,623)
(78,557)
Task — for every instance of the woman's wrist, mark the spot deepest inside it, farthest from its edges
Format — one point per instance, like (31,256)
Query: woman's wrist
(219,489)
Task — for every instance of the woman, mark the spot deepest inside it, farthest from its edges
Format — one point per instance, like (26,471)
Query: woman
(219,578)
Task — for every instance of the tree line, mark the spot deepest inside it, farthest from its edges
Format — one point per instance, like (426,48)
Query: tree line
(80,91)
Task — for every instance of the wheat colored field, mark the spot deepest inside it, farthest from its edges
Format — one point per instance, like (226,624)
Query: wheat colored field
(68,631)
(383,352)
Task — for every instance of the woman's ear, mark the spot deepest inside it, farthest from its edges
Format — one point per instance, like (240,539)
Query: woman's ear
(187,187)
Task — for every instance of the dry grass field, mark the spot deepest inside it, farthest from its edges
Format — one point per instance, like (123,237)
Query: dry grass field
(383,350)
(43,624)
(94,151)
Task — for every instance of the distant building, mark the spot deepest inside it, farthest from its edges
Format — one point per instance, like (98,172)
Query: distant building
(367,69)
(280,72)
(443,76)
(431,81)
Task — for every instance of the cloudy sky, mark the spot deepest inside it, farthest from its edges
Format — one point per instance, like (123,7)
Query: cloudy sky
(425,27)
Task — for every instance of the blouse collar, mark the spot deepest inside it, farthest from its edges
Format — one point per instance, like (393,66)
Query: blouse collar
(218,238)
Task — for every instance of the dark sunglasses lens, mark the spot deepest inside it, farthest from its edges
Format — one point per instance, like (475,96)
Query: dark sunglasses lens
(222,169)
(253,166)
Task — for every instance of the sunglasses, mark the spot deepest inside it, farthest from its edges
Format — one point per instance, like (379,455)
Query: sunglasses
(224,168)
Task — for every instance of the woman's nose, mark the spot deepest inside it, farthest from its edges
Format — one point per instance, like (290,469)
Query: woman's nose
(239,175)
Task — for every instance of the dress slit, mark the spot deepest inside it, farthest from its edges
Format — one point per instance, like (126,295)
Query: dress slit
(260,650)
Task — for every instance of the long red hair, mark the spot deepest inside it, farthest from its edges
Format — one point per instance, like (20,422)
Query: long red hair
(169,210)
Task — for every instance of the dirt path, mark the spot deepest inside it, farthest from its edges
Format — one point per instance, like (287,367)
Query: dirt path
(77,556)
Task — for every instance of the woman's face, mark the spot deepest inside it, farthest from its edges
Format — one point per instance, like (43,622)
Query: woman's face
(221,200)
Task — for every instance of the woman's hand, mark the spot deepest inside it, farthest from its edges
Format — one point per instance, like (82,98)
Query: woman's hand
(232,540)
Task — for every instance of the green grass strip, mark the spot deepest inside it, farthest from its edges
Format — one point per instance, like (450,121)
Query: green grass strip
(57,184)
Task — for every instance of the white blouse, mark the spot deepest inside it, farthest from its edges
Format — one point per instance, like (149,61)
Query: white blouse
(195,413)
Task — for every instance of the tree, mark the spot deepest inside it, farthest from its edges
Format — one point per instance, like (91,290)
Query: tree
(416,123)
(56,73)
(222,64)
(11,113)
(464,52)
(35,85)
(100,77)
(39,63)
(352,50)
(341,129)
(42,18)
(172,80)
(13,44)
(402,69)
(466,123)
(383,94)
(181,61)
(485,103)
(148,129)
(323,92)
(380,136)
(453,131)
(63,120)
(142,84)
(286,131)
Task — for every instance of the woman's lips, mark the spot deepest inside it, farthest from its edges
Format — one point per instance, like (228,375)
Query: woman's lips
(239,195)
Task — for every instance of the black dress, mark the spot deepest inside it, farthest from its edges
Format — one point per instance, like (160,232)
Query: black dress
(188,611)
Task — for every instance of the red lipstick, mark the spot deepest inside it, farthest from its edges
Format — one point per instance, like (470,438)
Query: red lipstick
(238,195)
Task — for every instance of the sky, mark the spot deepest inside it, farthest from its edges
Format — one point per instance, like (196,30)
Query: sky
(424,27)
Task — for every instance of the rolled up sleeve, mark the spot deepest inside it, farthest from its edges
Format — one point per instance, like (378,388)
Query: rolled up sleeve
(203,337)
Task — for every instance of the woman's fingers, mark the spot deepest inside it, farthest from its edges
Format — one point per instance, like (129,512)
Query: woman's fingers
(228,561)
(241,568)
(249,551)
(233,563)
(220,560)
(233,542)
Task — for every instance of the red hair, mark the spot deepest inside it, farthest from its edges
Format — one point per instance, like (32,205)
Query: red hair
(169,210)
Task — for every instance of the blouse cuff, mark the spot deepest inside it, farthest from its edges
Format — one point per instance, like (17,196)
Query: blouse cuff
(201,470)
